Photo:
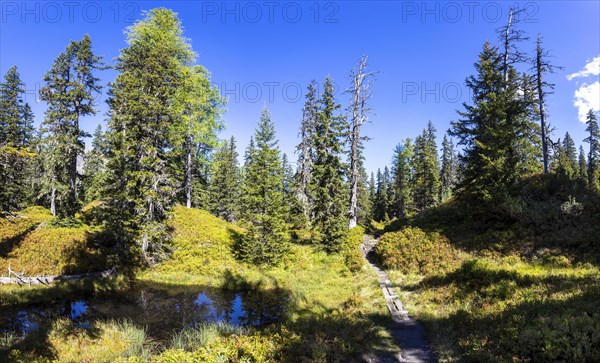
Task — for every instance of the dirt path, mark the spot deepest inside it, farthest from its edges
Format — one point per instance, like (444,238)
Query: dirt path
(408,333)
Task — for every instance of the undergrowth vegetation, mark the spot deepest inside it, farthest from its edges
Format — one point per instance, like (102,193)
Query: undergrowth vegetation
(411,251)
(38,244)
(333,308)
(202,249)
(524,284)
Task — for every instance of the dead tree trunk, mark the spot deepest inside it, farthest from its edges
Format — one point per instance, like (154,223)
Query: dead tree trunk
(360,91)
(540,89)
(53,201)
(188,178)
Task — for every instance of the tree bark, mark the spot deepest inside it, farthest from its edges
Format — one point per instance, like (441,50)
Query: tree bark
(359,109)
(541,103)
(188,180)
(53,201)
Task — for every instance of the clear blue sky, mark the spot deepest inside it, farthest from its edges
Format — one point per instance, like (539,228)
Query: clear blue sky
(265,52)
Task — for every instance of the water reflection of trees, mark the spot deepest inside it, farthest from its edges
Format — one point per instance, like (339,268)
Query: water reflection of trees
(160,310)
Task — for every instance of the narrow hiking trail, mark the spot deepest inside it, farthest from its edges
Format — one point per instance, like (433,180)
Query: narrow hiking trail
(407,332)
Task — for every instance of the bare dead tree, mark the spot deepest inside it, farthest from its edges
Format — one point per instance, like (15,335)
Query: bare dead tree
(544,88)
(510,36)
(360,90)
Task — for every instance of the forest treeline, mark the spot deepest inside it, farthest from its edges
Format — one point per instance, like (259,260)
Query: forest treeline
(161,147)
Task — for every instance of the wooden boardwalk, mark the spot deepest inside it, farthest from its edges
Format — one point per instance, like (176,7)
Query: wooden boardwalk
(408,333)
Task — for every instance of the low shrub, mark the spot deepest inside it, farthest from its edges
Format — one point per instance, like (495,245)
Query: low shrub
(351,249)
(411,250)
(55,251)
(25,221)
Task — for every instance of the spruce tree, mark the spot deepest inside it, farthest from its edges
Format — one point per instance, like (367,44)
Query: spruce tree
(306,150)
(372,194)
(264,208)
(566,163)
(594,155)
(426,170)
(402,177)
(294,210)
(224,190)
(11,109)
(582,166)
(95,166)
(448,175)
(364,197)
(497,130)
(70,90)
(328,187)
(16,120)
(380,208)
(390,192)
(144,131)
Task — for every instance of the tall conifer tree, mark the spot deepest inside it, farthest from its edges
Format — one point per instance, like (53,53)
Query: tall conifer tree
(144,130)
(329,190)
(70,91)
(264,208)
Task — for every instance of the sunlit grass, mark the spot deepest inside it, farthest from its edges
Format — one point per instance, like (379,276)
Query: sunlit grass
(508,309)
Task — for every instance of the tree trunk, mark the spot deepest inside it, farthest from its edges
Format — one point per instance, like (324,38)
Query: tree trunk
(188,180)
(354,175)
(53,201)
(541,103)
(360,96)
(507,45)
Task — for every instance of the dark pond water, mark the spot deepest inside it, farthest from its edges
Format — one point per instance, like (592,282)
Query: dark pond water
(161,310)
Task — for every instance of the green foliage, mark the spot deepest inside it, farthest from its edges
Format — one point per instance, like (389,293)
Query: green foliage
(594,155)
(144,101)
(426,174)
(69,91)
(95,167)
(500,138)
(224,191)
(582,167)
(351,249)
(14,227)
(328,187)
(413,251)
(15,125)
(16,132)
(402,172)
(201,106)
(202,247)
(449,169)
(306,151)
(263,196)
(55,251)
(506,309)
(381,203)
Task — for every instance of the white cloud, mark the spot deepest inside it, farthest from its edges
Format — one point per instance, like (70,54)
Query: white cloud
(590,69)
(587,97)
